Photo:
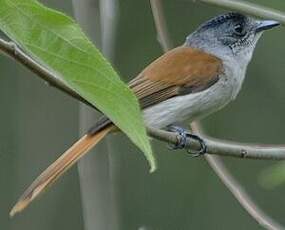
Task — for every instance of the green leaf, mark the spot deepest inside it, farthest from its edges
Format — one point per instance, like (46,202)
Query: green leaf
(57,42)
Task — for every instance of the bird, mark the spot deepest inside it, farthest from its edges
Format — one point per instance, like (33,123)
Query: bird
(188,82)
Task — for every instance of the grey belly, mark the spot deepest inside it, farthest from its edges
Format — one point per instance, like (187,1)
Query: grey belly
(192,106)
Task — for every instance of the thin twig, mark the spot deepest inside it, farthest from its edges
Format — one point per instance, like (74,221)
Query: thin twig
(13,51)
(221,147)
(236,149)
(248,8)
(237,190)
(241,195)
(217,147)
(160,25)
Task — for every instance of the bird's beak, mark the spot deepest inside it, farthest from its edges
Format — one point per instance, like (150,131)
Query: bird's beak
(266,25)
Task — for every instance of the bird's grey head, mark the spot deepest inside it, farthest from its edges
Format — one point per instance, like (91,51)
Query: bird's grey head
(230,35)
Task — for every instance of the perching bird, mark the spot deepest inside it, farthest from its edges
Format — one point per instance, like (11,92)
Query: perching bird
(186,83)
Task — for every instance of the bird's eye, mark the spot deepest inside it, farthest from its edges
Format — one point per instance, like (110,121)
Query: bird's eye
(239,30)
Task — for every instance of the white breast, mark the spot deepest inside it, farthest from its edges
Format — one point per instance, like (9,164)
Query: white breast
(197,105)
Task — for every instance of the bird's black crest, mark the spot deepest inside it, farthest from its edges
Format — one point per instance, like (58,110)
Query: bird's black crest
(223,18)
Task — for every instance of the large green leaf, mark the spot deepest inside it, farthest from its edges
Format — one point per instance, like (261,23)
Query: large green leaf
(57,42)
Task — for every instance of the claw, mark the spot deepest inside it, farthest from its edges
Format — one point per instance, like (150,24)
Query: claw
(182,140)
(203,148)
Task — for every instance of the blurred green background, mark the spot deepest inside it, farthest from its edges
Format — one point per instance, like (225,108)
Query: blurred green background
(39,122)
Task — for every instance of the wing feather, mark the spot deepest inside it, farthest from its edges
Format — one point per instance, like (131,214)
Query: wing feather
(180,71)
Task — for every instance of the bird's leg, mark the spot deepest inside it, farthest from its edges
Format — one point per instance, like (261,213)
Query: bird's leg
(181,142)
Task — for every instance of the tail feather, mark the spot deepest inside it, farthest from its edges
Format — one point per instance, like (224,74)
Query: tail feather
(56,169)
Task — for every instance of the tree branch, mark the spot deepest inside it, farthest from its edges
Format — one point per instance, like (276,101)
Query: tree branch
(12,50)
(215,146)
(160,25)
(218,146)
(237,190)
(248,8)
(223,148)
(241,195)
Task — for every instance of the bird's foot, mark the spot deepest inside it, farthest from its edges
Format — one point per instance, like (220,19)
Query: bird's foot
(182,140)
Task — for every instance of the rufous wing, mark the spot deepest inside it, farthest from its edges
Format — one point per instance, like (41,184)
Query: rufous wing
(180,71)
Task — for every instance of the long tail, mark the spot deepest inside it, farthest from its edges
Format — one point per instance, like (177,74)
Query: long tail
(56,169)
